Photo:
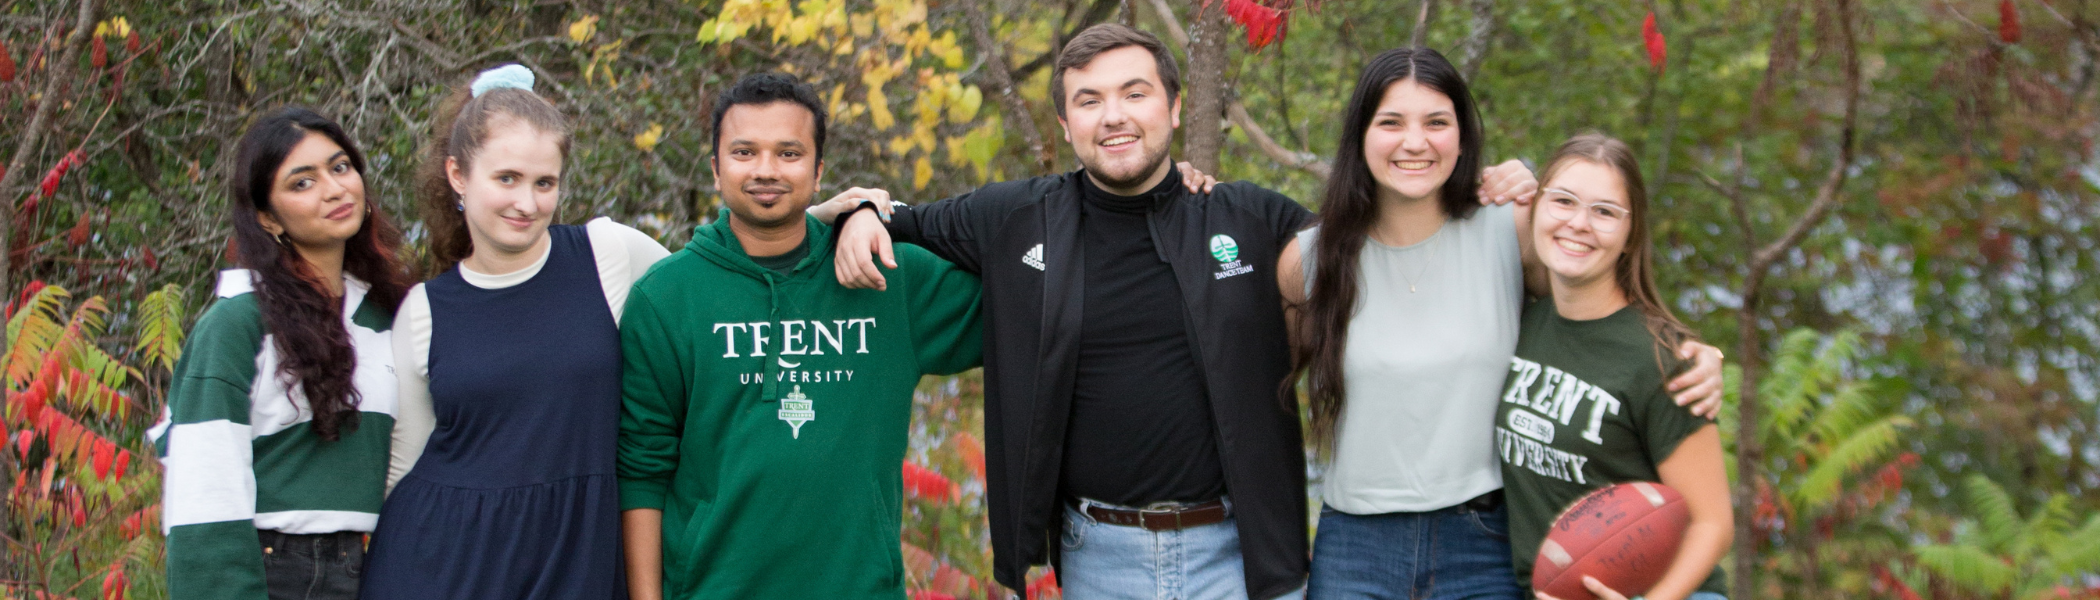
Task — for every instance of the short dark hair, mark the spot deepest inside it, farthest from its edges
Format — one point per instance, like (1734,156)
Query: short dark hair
(1105,37)
(760,89)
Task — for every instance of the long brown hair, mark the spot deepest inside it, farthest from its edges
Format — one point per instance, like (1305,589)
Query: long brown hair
(307,324)
(462,124)
(1349,210)
(1635,270)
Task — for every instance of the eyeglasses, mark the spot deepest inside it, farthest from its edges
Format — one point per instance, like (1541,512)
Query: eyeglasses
(1604,217)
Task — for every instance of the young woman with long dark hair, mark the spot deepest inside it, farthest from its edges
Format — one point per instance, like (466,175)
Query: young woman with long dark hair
(1404,303)
(509,363)
(280,410)
(1605,328)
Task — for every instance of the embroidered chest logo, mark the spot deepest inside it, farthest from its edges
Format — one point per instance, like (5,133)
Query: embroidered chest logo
(797,409)
(1034,257)
(1228,254)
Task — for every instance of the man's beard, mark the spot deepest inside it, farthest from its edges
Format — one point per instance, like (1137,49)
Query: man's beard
(1126,182)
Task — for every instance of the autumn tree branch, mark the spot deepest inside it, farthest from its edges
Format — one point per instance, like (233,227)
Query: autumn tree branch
(55,76)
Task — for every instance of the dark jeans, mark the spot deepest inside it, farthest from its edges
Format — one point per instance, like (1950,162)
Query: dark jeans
(321,566)
(1455,553)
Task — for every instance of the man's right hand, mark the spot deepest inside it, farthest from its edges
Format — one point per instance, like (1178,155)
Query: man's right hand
(860,241)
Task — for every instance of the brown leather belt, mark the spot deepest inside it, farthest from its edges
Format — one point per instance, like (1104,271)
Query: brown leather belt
(1161,519)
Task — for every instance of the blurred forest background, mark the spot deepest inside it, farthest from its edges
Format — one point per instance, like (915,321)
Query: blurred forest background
(1886,211)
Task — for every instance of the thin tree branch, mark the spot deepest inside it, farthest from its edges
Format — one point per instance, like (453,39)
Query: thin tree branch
(1421,33)
(1473,50)
(1018,117)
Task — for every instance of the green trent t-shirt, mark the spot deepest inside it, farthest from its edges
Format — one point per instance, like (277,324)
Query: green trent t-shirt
(1583,408)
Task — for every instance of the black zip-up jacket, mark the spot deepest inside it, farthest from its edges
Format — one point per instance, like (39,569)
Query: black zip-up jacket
(1023,239)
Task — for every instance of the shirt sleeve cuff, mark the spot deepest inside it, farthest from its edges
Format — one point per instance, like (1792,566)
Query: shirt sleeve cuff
(642,493)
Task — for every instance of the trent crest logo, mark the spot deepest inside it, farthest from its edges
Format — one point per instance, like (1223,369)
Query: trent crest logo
(1224,249)
(797,409)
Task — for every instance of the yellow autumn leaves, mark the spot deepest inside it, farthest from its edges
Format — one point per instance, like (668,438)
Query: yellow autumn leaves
(887,43)
(893,49)
(114,28)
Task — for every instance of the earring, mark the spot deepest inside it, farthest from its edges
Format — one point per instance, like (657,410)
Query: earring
(280,239)
(461,207)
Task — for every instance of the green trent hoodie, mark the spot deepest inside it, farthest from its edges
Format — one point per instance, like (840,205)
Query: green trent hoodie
(767,415)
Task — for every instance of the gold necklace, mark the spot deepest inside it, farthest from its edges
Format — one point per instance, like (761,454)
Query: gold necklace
(1425,265)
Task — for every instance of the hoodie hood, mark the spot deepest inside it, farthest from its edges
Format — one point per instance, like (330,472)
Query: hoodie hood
(718,244)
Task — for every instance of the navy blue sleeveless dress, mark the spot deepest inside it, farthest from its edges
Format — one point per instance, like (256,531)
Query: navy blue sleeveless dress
(515,495)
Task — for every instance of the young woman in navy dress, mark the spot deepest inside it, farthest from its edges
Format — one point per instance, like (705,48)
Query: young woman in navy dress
(502,478)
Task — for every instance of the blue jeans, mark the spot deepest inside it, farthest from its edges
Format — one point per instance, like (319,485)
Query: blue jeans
(1449,554)
(1116,561)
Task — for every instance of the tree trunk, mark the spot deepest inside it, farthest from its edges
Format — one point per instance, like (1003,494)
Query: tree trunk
(1759,264)
(1203,113)
(55,75)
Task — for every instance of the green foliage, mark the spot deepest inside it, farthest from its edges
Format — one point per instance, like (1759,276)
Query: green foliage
(160,318)
(1996,552)
(1833,439)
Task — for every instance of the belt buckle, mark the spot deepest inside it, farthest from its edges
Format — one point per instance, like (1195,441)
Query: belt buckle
(1172,509)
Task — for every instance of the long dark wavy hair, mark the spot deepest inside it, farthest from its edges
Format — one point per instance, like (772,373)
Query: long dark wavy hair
(297,310)
(1349,210)
(463,124)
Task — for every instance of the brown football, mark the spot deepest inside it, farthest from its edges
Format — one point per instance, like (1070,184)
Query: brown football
(1625,535)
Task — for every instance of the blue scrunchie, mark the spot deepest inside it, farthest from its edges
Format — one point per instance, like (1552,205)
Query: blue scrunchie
(506,76)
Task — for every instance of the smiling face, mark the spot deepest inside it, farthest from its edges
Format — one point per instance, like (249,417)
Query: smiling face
(317,198)
(509,192)
(1120,119)
(1412,145)
(767,167)
(1574,249)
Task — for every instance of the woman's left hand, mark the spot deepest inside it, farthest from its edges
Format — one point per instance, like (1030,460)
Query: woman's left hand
(1596,587)
(1507,182)
(1700,387)
(1198,182)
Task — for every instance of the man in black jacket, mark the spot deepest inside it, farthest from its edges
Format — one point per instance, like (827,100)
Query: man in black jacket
(1136,348)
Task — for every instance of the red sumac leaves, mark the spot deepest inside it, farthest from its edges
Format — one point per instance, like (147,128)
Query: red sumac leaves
(7,65)
(1658,48)
(1264,24)
(58,173)
(2008,22)
(99,54)
(79,233)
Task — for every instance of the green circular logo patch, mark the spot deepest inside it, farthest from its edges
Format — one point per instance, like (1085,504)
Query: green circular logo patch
(1223,248)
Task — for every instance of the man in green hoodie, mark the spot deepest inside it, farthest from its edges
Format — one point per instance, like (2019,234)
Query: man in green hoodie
(767,407)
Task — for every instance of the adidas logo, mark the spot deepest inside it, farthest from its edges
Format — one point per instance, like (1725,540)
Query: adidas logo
(1034,257)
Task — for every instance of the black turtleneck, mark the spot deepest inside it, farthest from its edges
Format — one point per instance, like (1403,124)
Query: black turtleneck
(1141,428)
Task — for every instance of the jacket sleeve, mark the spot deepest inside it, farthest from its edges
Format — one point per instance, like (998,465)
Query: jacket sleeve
(944,300)
(952,228)
(653,396)
(208,489)
(1285,216)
